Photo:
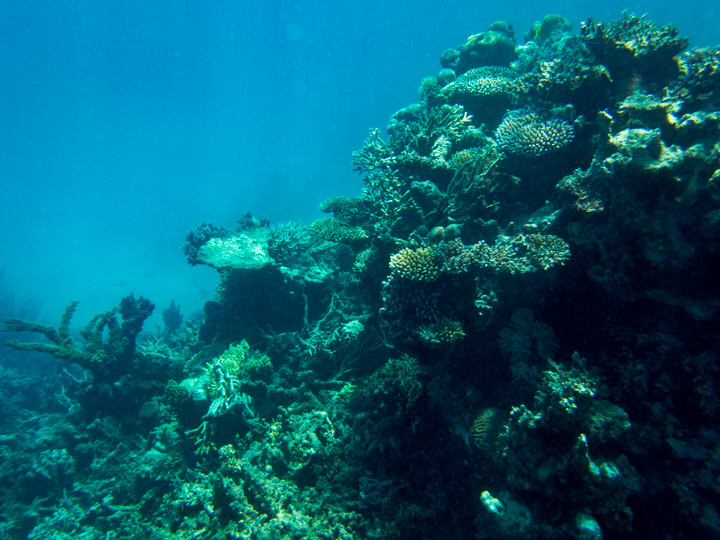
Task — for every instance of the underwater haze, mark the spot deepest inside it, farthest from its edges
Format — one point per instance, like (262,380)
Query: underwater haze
(359,270)
(125,124)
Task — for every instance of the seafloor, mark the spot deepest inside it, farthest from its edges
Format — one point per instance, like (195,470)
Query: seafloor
(512,333)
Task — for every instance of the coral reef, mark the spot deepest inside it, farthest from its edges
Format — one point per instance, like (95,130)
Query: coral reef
(510,333)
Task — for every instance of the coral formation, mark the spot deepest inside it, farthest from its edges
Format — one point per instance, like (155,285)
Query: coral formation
(242,252)
(495,47)
(531,134)
(407,367)
(635,44)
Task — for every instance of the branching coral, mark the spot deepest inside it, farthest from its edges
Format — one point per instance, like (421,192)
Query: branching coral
(698,85)
(485,92)
(529,133)
(106,358)
(485,83)
(288,240)
(421,264)
(443,331)
(522,253)
(198,237)
(335,230)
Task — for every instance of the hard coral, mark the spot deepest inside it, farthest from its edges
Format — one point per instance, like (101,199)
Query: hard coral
(635,44)
(335,230)
(496,47)
(530,133)
(484,91)
(421,264)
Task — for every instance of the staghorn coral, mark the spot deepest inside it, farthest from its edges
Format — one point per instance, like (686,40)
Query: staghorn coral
(107,357)
(375,154)
(415,131)
(530,133)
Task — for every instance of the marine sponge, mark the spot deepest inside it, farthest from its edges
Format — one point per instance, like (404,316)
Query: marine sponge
(530,133)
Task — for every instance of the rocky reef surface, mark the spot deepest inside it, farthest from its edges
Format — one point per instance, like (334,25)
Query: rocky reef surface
(511,333)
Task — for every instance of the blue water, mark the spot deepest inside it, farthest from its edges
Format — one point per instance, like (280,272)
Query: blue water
(126,124)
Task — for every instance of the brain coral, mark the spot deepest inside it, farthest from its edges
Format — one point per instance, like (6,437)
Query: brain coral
(530,133)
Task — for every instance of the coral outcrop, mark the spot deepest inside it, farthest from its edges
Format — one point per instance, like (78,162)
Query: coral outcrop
(510,333)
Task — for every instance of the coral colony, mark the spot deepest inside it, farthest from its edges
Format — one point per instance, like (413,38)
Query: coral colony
(511,333)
